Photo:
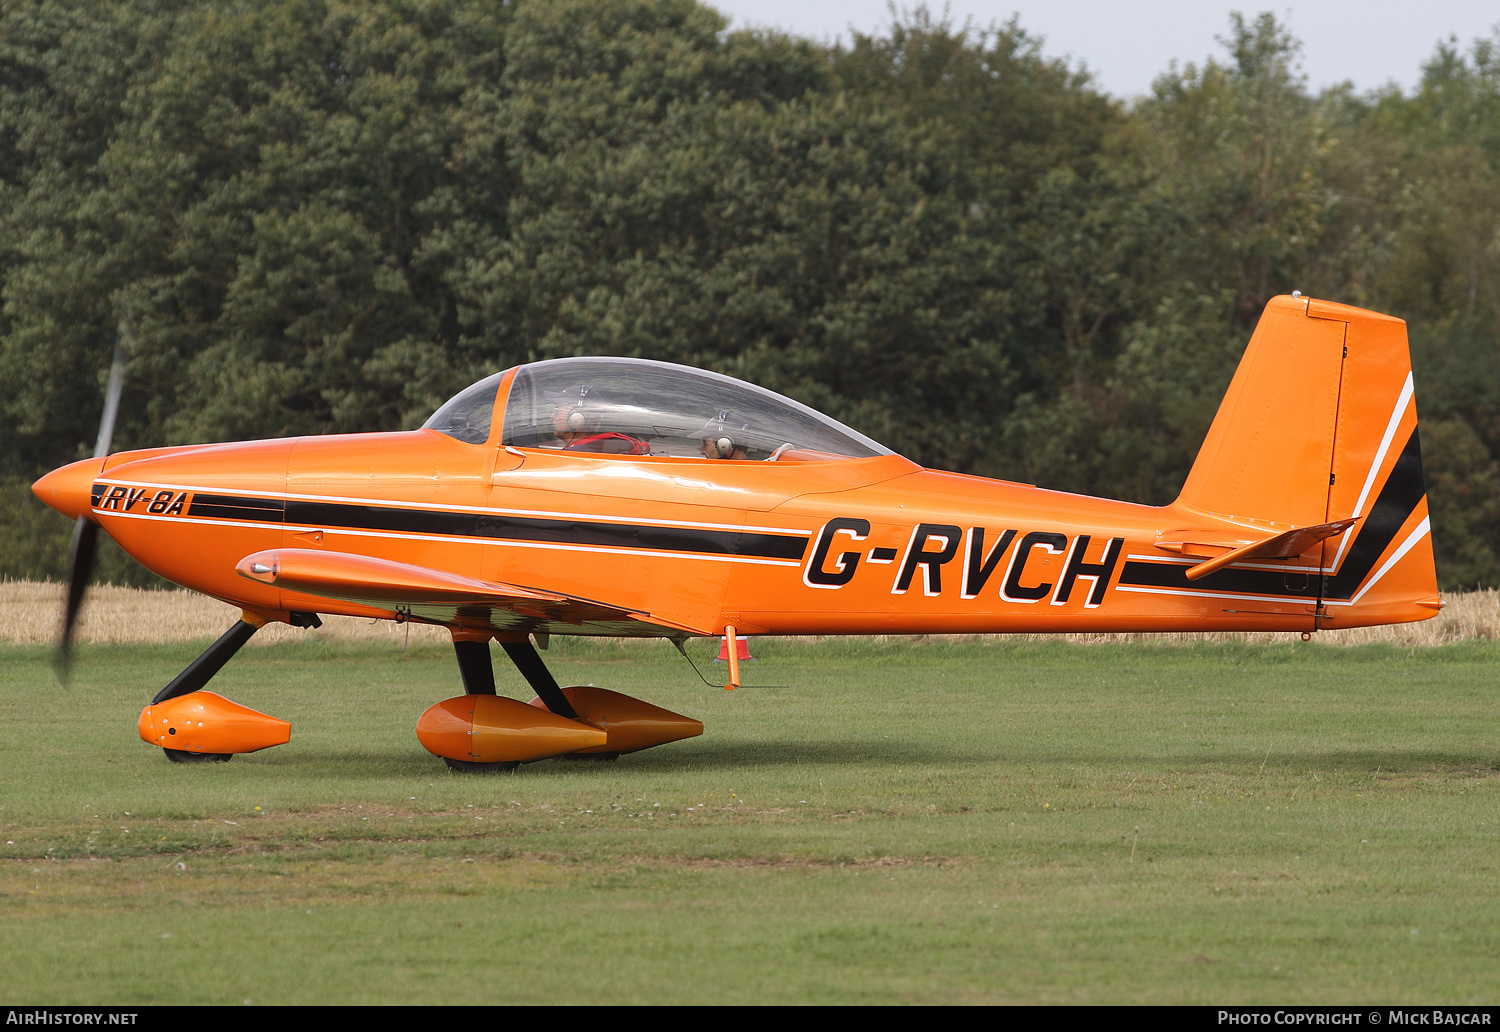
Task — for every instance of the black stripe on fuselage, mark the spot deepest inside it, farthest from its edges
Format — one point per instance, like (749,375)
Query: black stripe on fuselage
(234,507)
(1244,582)
(561,531)
(1403,490)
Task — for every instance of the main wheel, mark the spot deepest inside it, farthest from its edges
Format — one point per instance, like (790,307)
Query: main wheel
(470,767)
(181,756)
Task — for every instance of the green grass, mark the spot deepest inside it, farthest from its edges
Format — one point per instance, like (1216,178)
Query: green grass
(905,823)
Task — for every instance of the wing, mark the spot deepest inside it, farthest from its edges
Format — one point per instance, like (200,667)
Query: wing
(446,598)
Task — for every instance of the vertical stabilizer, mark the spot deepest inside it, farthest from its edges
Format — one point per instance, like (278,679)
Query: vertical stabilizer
(1269,452)
(1320,425)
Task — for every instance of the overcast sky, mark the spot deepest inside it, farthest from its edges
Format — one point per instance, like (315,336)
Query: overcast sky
(1126,44)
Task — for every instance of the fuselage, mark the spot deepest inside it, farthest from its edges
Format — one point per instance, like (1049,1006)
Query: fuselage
(682,500)
(850,546)
(612,496)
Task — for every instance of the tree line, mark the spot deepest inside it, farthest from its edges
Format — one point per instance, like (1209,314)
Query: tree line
(324,216)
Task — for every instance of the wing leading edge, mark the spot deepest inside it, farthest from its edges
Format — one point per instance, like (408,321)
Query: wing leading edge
(437,596)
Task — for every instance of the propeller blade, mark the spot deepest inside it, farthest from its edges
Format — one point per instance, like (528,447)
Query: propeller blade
(80,568)
(124,337)
(85,530)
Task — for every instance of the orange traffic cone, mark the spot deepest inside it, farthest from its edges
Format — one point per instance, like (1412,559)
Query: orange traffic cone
(742,647)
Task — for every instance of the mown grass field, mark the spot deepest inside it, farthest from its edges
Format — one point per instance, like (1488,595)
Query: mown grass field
(905,823)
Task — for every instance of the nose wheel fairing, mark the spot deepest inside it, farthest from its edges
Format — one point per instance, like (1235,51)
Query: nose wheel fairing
(203,725)
(196,726)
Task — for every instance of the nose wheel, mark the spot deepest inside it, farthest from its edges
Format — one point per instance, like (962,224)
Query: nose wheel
(181,756)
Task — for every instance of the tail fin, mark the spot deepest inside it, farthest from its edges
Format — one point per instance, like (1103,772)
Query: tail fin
(1319,425)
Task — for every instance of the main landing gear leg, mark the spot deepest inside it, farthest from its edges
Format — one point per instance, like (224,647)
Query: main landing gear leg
(523,654)
(478,672)
(475,667)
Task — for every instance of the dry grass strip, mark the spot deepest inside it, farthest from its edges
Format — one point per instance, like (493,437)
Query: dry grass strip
(30,612)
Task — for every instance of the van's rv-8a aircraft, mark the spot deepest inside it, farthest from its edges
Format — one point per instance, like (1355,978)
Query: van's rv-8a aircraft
(609,496)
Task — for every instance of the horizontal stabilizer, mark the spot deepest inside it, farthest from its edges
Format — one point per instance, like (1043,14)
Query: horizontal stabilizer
(442,597)
(1282,546)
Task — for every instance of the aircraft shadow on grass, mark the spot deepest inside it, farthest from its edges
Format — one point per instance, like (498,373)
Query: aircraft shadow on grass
(357,763)
(1395,762)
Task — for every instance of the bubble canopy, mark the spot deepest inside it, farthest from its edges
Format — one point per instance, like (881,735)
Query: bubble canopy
(627,406)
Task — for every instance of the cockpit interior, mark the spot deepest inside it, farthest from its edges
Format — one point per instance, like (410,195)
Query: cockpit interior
(635,407)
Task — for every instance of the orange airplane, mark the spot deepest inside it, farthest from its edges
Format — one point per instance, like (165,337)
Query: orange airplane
(610,496)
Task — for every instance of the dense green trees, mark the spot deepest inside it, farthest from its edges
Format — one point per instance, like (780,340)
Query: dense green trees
(328,216)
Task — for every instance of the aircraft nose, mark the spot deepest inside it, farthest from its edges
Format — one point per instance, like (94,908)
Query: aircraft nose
(66,488)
